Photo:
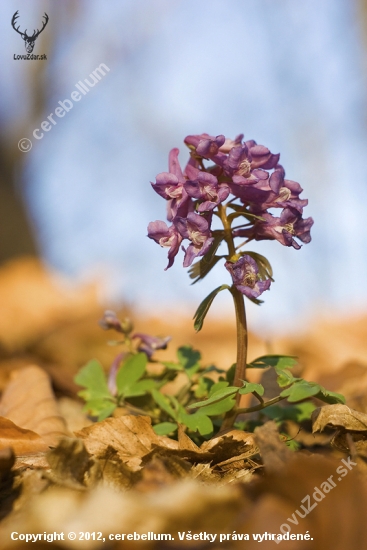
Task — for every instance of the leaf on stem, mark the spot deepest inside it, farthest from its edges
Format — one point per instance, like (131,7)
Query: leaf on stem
(204,307)
(163,403)
(300,390)
(189,359)
(93,378)
(130,372)
(165,428)
(215,397)
(250,387)
(279,361)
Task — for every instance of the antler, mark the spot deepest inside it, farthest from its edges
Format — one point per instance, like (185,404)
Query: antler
(43,26)
(13,21)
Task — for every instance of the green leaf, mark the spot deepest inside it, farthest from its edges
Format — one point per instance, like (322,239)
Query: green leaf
(165,428)
(250,387)
(300,390)
(130,372)
(197,422)
(93,378)
(204,307)
(215,397)
(102,408)
(140,388)
(203,387)
(220,407)
(172,366)
(218,386)
(285,378)
(297,413)
(189,359)
(163,403)
(279,361)
(200,269)
(330,397)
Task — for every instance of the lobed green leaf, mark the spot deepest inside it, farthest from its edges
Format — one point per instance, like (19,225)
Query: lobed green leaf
(250,387)
(301,390)
(279,361)
(215,397)
(165,428)
(197,422)
(93,378)
(163,403)
(130,372)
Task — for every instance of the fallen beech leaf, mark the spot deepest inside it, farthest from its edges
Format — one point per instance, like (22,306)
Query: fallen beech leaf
(234,443)
(162,471)
(338,416)
(184,441)
(20,440)
(274,453)
(29,402)
(71,464)
(131,436)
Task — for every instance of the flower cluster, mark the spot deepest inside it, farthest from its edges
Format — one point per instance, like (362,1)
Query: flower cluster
(253,180)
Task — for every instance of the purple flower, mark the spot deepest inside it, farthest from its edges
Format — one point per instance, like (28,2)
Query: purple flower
(111,321)
(204,186)
(260,156)
(197,229)
(290,224)
(245,277)
(167,237)
(170,186)
(149,344)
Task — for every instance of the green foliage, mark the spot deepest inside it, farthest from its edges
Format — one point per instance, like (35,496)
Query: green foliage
(99,401)
(165,428)
(201,403)
(249,387)
(130,372)
(204,307)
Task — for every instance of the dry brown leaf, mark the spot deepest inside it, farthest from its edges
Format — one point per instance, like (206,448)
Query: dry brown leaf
(71,464)
(22,441)
(274,453)
(338,416)
(131,436)
(29,402)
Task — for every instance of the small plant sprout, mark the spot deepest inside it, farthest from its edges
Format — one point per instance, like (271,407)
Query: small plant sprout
(244,186)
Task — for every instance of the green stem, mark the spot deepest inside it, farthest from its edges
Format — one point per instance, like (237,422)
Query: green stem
(261,406)
(241,326)
(232,415)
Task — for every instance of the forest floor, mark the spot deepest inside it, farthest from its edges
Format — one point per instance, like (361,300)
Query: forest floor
(117,484)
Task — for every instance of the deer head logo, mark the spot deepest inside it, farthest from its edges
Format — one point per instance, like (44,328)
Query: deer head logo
(28,40)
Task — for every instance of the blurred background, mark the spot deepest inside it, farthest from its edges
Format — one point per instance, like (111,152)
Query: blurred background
(291,75)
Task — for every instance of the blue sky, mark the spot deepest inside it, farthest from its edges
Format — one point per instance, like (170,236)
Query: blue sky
(285,73)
